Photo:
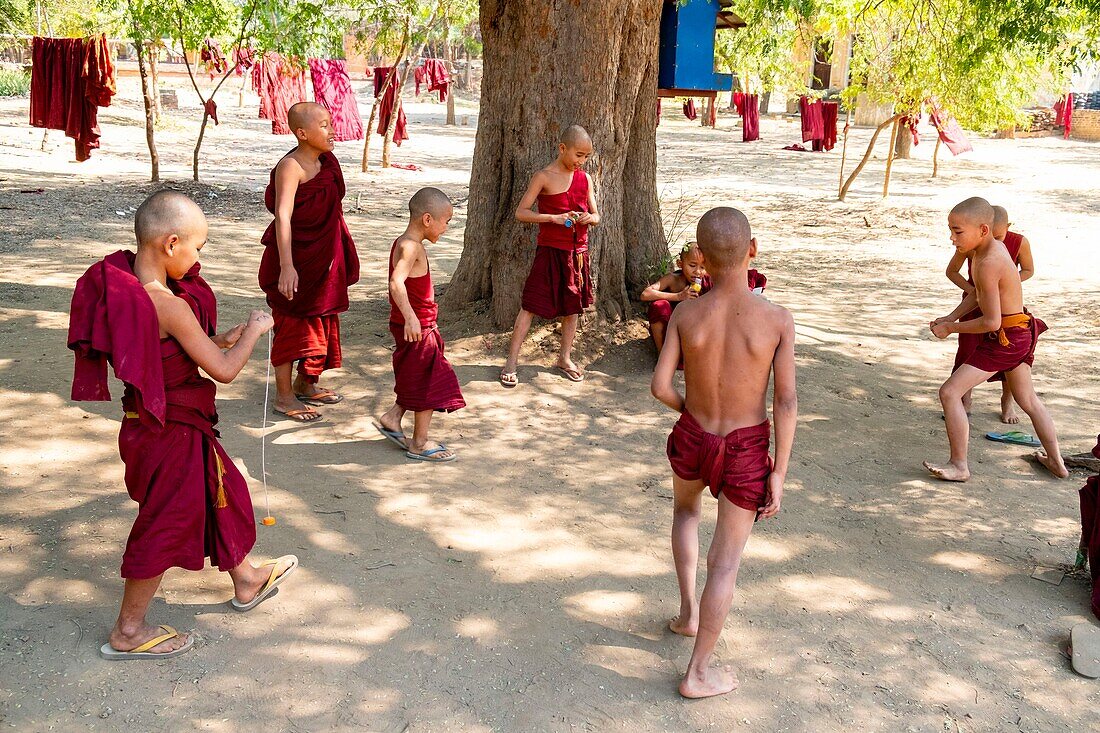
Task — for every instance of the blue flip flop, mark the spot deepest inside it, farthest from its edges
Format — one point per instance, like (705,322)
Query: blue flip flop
(1015,437)
(394,436)
(428,455)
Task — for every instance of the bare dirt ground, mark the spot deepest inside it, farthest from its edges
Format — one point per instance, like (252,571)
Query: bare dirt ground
(526,587)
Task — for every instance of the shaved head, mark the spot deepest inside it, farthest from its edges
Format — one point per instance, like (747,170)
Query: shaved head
(575,136)
(1000,217)
(166,213)
(303,114)
(429,201)
(974,210)
(724,237)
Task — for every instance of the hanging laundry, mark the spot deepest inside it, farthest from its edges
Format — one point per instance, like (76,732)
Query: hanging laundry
(813,121)
(1063,114)
(750,124)
(689,110)
(949,131)
(70,79)
(243,59)
(332,89)
(388,103)
(738,99)
(829,113)
(433,72)
(211,56)
(280,83)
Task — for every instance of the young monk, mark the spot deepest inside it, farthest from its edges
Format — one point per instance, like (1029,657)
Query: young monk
(151,316)
(1009,334)
(689,280)
(731,342)
(1019,249)
(308,263)
(560,282)
(424,380)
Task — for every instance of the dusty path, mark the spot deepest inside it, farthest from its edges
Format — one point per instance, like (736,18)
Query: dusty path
(526,587)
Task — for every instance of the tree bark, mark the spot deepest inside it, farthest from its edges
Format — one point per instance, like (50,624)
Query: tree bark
(890,156)
(377,100)
(866,156)
(596,66)
(936,157)
(150,115)
(467,76)
(451,88)
(903,148)
(154,67)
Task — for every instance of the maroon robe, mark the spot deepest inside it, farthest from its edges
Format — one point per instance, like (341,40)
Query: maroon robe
(1007,348)
(737,465)
(1090,529)
(423,378)
(193,503)
(560,281)
(307,328)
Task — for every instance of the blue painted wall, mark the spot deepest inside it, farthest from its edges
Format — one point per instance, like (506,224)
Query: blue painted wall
(686,57)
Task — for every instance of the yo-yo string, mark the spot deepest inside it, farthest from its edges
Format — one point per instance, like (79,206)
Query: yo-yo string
(263,430)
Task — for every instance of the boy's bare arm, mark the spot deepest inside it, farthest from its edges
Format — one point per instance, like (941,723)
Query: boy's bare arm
(287,176)
(667,288)
(592,216)
(1027,262)
(178,321)
(987,296)
(954,272)
(784,415)
(524,212)
(407,253)
(662,385)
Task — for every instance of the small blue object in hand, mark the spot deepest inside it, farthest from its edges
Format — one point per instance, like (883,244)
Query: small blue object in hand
(568,223)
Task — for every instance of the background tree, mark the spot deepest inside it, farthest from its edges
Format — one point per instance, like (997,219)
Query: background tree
(549,65)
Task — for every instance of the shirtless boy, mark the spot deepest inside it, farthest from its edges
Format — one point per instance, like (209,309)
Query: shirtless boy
(732,342)
(1008,343)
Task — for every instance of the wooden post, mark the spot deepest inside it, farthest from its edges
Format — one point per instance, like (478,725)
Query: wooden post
(890,156)
(844,153)
(936,156)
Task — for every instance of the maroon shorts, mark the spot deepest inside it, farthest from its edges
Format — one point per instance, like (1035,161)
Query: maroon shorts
(555,286)
(990,355)
(737,465)
(423,378)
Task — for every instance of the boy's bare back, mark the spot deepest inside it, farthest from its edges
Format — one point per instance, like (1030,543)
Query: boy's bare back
(996,274)
(729,339)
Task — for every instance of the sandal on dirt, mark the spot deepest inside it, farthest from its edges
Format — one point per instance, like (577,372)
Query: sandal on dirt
(1084,650)
(324,397)
(109,653)
(394,436)
(300,415)
(429,455)
(571,374)
(272,584)
(508,379)
(1015,437)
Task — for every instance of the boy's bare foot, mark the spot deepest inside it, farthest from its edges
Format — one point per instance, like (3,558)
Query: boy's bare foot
(709,682)
(249,587)
(128,639)
(685,627)
(1054,465)
(1008,411)
(950,472)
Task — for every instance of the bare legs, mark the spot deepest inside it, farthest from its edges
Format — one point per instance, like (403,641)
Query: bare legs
(657,330)
(519,334)
(422,420)
(1021,386)
(705,619)
(287,385)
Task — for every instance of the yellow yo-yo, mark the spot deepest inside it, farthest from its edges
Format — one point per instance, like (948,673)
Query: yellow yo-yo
(268,521)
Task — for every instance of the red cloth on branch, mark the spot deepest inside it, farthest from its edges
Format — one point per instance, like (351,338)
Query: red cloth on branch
(951,134)
(1063,114)
(829,112)
(70,79)
(243,60)
(211,55)
(739,103)
(736,465)
(192,501)
(433,73)
(689,110)
(280,84)
(332,89)
(388,103)
(750,122)
(211,108)
(813,123)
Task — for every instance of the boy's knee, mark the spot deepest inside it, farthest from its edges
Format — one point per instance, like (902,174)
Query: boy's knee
(686,510)
(950,393)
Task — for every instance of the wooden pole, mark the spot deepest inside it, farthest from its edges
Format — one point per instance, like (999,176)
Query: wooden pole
(844,153)
(890,156)
(936,156)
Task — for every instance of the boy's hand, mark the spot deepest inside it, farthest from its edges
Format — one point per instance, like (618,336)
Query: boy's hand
(560,219)
(687,293)
(259,321)
(774,496)
(231,336)
(412,330)
(583,217)
(288,281)
(941,328)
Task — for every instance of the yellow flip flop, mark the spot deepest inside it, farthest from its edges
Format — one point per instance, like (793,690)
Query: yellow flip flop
(272,584)
(111,654)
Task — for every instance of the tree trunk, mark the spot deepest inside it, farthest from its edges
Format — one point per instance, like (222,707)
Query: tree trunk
(936,157)
(574,51)
(449,62)
(154,68)
(844,153)
(866,156)
(903,148)
(467,76)
(387,141)
(377,100)
(150,115)
(890,156)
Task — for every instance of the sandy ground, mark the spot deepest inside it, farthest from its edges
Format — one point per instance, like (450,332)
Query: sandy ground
(526,586)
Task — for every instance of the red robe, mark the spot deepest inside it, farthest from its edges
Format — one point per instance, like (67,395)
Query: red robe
(968,342)
(70,79)
(1009,347)
(307,328)
(423,378)
(1090,529)
(560,281)
(193,503)
(736,465)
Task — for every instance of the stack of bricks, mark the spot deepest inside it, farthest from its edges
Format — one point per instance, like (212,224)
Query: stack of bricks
(1086,125)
